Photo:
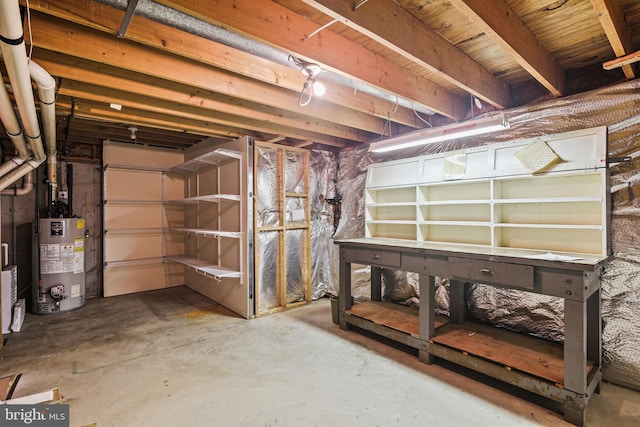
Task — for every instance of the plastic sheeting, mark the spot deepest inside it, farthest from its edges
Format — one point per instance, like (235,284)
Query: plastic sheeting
(323,187)
(266,191)
(617,107)
(322,182)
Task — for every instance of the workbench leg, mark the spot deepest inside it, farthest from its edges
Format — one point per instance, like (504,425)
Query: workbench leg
(575,358)
(594,332)
(574,413)
(344,293)
(427,319)
(376,283)
(456,301)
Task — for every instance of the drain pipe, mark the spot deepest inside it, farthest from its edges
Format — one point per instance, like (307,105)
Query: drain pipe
(19,172)
(46,95)
(27,186)
(10,122)
(15,58)
(46,87)
(16,61)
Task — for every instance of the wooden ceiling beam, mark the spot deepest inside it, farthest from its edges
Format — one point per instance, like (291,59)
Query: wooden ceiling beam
(395,28)
(496,19)
(612,20)
(622,61)
(179,112)
(278,26)
(81,133)
(82,42)
(99,110)
(106,18)
(90,72)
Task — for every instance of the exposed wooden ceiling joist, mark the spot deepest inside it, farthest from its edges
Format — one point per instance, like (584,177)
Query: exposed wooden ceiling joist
(387,62)
(167,39)
(617,30)
(84,43)
(275,25)
(79,70)
(398,30)
(496,19)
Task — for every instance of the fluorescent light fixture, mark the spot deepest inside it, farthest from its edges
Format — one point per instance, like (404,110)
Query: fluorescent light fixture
(444,133)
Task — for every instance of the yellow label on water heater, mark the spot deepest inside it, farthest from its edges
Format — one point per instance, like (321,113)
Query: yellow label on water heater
(80,224)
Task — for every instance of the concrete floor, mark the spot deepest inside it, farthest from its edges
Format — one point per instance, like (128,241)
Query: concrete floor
(174,358)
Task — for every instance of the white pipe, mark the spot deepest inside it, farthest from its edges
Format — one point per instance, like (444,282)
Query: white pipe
(18,66)
(46,86)
(27,186)
(11,124)
(19,172)
(7,167)
(15,58)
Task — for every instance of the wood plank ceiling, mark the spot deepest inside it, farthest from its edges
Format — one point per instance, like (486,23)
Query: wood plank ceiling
(184,70)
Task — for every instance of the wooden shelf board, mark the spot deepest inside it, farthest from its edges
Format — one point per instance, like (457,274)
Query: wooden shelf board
(395,316)
(531,355)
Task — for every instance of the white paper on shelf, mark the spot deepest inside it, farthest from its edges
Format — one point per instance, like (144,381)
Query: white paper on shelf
(454,165)
(549,256)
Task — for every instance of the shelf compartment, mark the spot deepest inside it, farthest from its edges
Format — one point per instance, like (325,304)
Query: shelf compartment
(531,355)
(210,233)
(216,157)
(582,240)
(401,212)
(582,185)
(206,269)
(405,230)
(448,191)
(472,233)
(560,213)
(392,195)
(213,198)
(469,212)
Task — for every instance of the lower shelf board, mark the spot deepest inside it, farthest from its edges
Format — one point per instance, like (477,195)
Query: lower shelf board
(395,316)
(535,356)
(530,355)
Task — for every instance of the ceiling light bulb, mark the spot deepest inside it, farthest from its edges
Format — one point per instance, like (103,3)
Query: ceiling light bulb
(318,88)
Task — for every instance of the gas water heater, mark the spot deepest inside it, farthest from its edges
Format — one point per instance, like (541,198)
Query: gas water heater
(59,276)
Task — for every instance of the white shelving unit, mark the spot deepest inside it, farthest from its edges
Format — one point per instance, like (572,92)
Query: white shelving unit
(193,169)
(565,208)
(213,217)
(135,245)
(180,218)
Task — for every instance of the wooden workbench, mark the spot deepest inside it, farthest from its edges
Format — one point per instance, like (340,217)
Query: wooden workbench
(568,373)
